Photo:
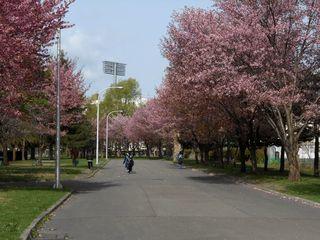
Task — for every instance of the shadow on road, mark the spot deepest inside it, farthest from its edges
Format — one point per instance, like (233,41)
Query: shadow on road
(86,187)
(217,179)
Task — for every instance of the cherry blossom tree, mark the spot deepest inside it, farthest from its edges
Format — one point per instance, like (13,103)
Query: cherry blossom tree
(146,125)
(118,132)
(252,57)
(73,90)
(198,69)
(275,48)
(27,28)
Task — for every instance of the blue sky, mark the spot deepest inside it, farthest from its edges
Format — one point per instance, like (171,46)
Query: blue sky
(127,31)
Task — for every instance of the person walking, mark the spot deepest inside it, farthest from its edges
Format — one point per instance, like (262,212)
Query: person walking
(126,160)
(90,160)
(130,164)
(180,159)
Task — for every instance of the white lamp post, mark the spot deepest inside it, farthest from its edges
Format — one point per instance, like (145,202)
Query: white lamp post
(98,120)
(107,130)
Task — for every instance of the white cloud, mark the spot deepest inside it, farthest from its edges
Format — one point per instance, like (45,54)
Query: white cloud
(88,50)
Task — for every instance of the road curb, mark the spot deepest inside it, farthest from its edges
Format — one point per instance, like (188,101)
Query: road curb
(285,196)
(26,235)
(269,191)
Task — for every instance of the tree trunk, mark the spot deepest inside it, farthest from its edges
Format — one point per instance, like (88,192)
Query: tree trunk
(206,155)
(5,154)
(228,153)
(316,152)
(133,150)
(221,155)
(294,166)
(253,158)
(282,160)
(176,146)
(33,153)
(14,153)
(253,146)
(148,151)
(242,149)
(292,146)
(196,156)
(51,151)
(160,150)
(23,150)
(202,156)
(39,156)
(40,151)
(266,158)
(201,149)
(139,150)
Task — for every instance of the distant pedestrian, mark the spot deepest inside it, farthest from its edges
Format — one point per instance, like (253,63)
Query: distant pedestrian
(90,160)
(130,164)
(126,160)
(180,159)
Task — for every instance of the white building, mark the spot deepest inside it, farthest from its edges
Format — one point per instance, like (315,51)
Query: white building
(306,152)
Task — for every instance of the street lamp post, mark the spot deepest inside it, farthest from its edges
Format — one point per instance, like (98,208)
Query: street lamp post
(57,184)
(97,135)
(107,130)
(98,121)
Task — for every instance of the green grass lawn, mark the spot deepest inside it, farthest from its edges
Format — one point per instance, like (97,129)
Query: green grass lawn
(20,205)
(308,187)
(25,171)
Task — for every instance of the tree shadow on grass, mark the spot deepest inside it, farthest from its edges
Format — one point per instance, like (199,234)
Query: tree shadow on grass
(34,170)
(78,186)
(31,174)
(230,174)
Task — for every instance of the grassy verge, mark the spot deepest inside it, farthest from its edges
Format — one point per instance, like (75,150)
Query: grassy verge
(308,187)
(20,205)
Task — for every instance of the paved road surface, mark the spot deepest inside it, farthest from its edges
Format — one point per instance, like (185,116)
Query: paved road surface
(161,202)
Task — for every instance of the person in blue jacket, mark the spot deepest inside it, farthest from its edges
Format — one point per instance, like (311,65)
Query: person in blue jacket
(130,164)
(126,160)
(180,159)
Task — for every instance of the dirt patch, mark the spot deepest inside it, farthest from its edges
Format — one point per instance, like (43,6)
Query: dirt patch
(3,198)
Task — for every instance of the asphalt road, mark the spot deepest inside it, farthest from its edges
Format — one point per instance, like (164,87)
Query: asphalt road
(160,202)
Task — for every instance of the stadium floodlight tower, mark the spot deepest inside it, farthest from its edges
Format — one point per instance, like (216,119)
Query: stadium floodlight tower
(115,69)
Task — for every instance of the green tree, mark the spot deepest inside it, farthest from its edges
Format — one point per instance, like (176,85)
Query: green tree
(126,99)
(80,137)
